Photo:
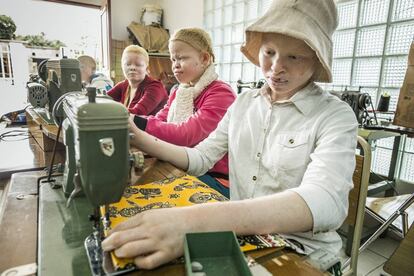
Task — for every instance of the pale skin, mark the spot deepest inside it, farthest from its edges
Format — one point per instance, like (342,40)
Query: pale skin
(156,237)
(86,72)
(188,63)
(135,68)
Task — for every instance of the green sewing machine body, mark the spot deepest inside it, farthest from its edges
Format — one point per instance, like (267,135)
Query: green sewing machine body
(97,144)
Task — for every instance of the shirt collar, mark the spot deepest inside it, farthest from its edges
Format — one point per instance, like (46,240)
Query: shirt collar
(304,99)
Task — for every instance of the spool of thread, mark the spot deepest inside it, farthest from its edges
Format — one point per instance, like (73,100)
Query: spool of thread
(384,102)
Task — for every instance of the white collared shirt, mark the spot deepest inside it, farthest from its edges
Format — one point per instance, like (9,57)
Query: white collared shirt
(305,144)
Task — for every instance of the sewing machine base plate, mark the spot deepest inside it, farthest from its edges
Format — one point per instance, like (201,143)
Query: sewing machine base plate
(100,264)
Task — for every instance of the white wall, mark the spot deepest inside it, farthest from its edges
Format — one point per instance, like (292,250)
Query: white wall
(125,11)
(182,13)
(177,14)
(13,94)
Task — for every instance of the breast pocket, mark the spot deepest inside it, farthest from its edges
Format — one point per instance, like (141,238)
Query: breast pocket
(294,150)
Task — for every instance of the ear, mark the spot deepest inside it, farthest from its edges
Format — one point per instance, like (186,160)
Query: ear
(205,58)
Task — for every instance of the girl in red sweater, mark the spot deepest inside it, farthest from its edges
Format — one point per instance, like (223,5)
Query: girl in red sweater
(140,93)
(195,108)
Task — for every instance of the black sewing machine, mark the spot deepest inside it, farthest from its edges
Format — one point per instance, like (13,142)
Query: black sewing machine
(251,85)
(360,104)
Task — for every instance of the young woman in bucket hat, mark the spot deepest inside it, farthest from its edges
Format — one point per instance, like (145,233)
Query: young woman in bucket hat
(291,148)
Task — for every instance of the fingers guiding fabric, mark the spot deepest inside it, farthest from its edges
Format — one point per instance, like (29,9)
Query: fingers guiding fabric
(123,233)
(135,248)
(151,261)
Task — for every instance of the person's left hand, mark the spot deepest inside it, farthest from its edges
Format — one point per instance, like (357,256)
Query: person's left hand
(152,238)
(131,121)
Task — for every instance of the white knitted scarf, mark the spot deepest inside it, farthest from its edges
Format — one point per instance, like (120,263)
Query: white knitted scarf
(182,107)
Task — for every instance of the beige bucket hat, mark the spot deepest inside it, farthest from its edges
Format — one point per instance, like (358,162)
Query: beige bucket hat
(312,21)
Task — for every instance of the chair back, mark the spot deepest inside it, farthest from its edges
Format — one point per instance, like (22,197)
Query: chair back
(357,198)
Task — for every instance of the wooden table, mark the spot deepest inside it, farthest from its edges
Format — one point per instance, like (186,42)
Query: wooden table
(60,231)
(43,137)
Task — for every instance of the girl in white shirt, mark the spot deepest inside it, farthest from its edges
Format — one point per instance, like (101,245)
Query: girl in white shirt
(291,148)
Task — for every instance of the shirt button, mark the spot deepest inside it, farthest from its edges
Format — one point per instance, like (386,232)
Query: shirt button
(254,178)
(258,154)
(291,141)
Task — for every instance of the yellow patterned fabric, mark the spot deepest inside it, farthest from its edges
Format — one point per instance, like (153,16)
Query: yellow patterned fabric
(174,192)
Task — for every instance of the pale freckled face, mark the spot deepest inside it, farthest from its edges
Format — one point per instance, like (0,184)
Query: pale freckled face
(134,67)
(287,64)
(187,62)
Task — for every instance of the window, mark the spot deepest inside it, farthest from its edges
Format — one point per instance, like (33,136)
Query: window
(370,50)
(226,21)
(6,71)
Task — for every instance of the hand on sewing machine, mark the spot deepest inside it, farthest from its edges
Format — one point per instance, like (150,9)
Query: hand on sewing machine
(152,238)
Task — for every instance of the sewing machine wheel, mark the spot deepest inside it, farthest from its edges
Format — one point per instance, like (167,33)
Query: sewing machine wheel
(37,94)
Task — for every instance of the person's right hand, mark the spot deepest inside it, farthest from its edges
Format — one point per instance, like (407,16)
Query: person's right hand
(152,238)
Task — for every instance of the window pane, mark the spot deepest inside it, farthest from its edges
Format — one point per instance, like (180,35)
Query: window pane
(218,4)
(407,169)
(217,53)
(227,35)
(343,43)
(208,20)
(381,160)
(394,71)
(217,37)
(217,17)
(248,72)
(385,142)
(218,69)
(370,41)
(238,33)
(228,13)
(238,12)
(225,72)
(347,14)
(259,74)
(400,37)
(226,54)
(341,71)
(373,12)
(252,7)
(237,55)
(403,9)
(366,72)
(235,72)
(409,145)
(208,5)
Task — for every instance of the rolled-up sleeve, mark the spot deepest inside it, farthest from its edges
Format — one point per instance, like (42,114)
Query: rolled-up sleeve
(202,157)
(328,178)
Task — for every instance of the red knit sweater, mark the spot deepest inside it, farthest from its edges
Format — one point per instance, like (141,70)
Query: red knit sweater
(149,98)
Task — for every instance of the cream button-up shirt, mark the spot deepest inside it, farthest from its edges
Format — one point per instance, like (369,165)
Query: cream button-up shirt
(305,144)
